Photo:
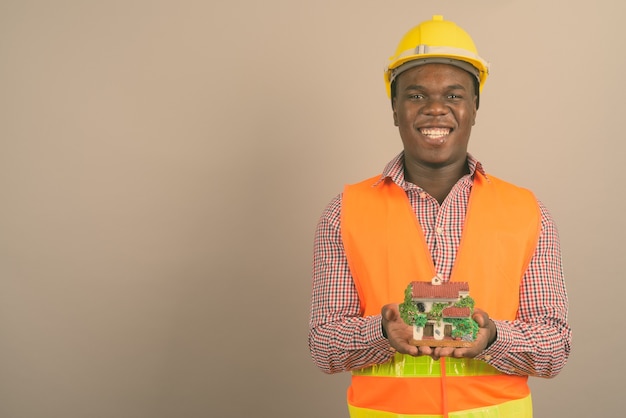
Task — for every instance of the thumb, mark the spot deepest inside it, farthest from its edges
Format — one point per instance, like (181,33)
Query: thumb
(390,312)
(481,317)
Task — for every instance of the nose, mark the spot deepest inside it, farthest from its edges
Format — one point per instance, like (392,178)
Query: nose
(435,107)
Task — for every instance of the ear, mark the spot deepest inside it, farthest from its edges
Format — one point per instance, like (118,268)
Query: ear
(474,111)
(395,113)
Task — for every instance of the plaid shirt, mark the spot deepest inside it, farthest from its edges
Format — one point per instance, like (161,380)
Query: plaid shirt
(537,343)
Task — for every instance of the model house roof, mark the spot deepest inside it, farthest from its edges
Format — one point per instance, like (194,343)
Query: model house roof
(456,312)
(449,290)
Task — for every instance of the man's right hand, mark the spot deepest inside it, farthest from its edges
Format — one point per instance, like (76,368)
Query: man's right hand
(398,332)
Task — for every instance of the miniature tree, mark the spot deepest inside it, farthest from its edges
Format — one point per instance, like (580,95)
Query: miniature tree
(408,308)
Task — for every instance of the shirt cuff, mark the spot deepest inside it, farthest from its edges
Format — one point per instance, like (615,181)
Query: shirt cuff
(500,347)
(374,332)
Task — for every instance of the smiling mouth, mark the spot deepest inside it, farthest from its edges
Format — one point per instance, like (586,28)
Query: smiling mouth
(435,133)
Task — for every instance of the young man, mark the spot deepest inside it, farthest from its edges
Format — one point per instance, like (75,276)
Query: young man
(435,212)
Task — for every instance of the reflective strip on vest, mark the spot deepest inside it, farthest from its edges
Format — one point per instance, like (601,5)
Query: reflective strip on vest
(402,365)
(466,385)
(520,408)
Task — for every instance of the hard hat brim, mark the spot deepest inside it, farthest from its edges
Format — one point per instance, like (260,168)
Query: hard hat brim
(428,55)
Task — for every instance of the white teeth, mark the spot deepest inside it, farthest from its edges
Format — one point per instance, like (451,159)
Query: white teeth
(435,132)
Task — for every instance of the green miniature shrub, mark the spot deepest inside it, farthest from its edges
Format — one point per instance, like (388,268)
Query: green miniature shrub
(466,302)
(420,319)
(464,327)
(436,311)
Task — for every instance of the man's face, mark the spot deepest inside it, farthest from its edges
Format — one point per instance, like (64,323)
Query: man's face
(435,109)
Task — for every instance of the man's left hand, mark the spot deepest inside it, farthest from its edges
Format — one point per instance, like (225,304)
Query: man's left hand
(487,334)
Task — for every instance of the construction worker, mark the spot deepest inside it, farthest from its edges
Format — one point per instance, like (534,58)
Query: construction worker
(434,211)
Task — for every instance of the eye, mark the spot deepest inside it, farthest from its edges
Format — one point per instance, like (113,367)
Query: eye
(454,97)
(416,96)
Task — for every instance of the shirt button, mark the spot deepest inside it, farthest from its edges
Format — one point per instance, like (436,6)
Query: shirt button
(439,230)
(423,195)
(488,357)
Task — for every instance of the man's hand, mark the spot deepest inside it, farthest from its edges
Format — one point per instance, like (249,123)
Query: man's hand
(487,334)
(398,332)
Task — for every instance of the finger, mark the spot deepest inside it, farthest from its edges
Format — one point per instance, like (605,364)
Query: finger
(425,350)
(459,353)
(444,351)
(436,353)
(412,350)
(404,347)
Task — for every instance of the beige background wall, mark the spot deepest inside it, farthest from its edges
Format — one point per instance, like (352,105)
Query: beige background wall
(163,165)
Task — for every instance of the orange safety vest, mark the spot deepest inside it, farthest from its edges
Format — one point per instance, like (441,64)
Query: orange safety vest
(386,249)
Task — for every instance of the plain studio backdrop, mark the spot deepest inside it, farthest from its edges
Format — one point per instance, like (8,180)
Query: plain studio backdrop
(163,165)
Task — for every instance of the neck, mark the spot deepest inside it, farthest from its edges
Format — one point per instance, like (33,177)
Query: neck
(436,181)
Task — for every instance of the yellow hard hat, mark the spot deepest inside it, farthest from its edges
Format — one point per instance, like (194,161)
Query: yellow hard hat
(436,41)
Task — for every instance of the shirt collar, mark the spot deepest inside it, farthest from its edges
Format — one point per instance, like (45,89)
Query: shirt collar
(394,170)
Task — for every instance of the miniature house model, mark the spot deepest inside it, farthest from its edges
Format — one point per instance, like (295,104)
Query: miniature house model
(442,314)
